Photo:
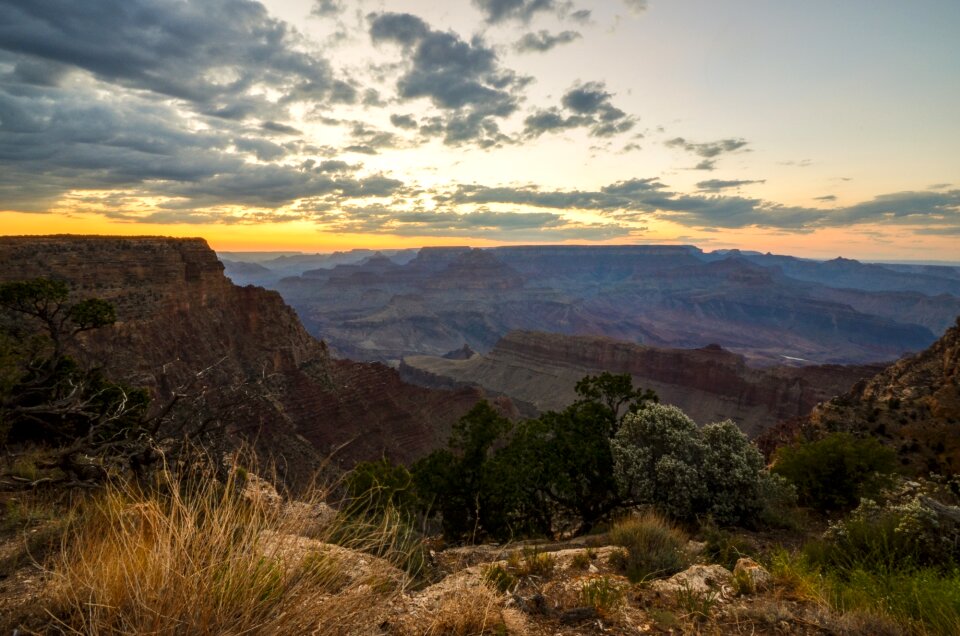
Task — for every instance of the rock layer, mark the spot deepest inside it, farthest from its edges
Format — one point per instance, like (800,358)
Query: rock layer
(709,383)
(178,316)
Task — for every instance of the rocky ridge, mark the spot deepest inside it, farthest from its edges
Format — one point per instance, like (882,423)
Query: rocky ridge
(709,383)
(178,315)
(913,405)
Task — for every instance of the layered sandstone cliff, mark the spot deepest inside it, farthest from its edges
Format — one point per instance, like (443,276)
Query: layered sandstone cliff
(709,383)
(177,316)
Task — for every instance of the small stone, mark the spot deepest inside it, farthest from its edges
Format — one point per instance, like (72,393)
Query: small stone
(593,569)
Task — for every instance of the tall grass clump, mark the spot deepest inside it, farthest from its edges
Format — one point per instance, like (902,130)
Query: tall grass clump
(654,546)
(209,558)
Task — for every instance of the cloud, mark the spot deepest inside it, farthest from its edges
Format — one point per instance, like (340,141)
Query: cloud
(826,197)
(403,121)
(543,41)
(220,58)
(541,227)
(709,151)
(637,6)
(641,199)
(495,11)
(327,8)
(582,16)
(272,126)
(905,208)
(584,105)
(464,80)
(715,185)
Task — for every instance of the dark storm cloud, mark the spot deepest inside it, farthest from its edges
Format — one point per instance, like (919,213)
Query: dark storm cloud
(462,79)
(715,185)
(215,56)
(500,10)
(585,105)
(543,41)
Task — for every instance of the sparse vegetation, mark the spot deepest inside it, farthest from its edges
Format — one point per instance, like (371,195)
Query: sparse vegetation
(653,546)
(212,559)
(603,594)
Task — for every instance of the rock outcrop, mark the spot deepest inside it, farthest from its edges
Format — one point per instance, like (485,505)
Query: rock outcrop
(709,383)
(178,315)
(913,405)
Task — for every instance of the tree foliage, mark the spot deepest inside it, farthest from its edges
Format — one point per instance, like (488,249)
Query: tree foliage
(835,472)
(662,458)
(554,470)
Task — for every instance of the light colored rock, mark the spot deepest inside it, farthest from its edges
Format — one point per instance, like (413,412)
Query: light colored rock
(700,579)
(758,577)
(308,518)
(352,567)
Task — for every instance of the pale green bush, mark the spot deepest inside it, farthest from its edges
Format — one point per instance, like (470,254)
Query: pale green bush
(662,458)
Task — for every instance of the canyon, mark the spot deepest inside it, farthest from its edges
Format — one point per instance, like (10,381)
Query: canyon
(181,322)
(770,309)
(539,372)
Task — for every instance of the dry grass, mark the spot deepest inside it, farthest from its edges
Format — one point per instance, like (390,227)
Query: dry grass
(654,546)
(207,560)
(466,611)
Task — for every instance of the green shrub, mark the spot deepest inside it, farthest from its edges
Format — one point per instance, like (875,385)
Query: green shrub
(835,472)
(662,458)
(373,487)
(654,547)
(889,538)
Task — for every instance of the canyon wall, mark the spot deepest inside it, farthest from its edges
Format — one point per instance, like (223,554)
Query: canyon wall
(708,383)
(178,316)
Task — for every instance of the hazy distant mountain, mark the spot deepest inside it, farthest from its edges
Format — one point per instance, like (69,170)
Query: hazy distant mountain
(270,271)
(374,306)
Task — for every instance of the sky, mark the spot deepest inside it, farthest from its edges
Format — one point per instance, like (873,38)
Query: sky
(815,128)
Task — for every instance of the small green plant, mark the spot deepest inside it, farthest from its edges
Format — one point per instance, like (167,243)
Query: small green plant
(697,605)
(500,578)
(581,560)
(603,594)
(536,563)
(654,547)
(743,583)
(724,547)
